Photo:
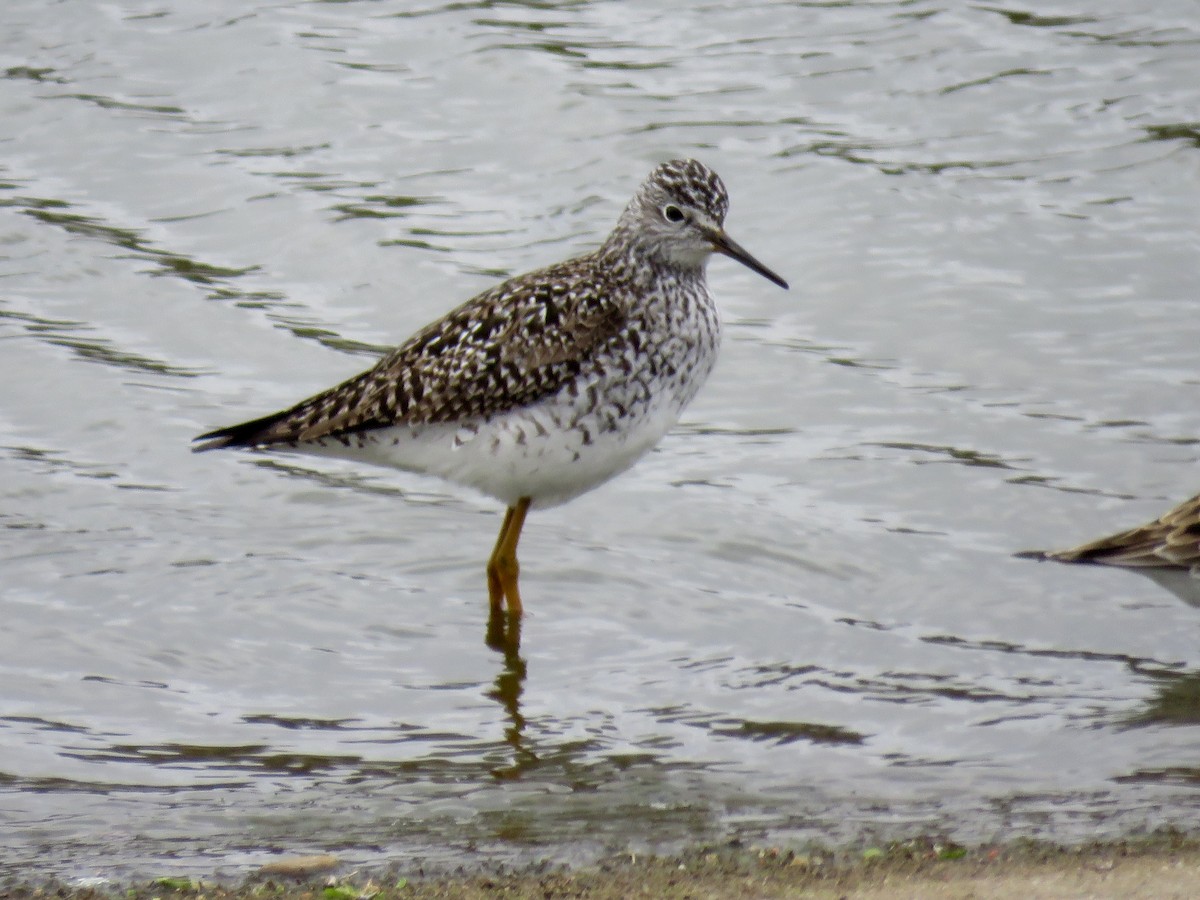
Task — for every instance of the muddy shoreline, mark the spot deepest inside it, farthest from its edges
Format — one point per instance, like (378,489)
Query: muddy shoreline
(1162,865)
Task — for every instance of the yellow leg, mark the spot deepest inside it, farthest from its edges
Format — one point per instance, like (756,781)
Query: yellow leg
(502,567)
(495,588)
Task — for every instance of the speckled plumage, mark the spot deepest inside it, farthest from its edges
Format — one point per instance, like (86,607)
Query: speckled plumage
(1170,542)
(550,383)
(610,343)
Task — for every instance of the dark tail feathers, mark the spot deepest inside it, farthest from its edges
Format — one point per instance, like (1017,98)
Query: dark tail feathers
(247,434)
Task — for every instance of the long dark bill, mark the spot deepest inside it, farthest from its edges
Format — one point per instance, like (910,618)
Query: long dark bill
(723,243)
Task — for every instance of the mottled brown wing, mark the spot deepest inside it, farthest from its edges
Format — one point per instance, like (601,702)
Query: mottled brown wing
(1173,540)
(505,348)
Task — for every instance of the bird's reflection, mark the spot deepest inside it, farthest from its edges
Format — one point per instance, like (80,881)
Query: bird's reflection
(1176,700)
(503,631)
(504,636)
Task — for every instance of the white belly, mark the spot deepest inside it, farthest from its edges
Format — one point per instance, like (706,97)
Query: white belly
(526,453)
(559,447)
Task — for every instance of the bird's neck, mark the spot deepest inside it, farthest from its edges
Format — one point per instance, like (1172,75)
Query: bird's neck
(636,265)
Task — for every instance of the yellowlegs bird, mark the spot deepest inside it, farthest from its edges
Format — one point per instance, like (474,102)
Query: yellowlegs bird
(1169,542)
(548,384)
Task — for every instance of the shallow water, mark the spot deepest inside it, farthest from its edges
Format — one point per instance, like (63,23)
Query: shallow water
(799,619)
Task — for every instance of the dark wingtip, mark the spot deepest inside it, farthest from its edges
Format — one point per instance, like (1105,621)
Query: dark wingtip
(211,441)
(1039,555)
(1077,556)
(244,434)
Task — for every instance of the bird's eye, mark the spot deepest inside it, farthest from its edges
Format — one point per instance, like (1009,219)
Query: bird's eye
(672,213)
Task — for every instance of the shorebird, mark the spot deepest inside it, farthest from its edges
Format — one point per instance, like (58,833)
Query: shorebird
(1169,542)
(548,384)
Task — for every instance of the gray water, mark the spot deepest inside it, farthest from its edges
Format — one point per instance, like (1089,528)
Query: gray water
(798,620)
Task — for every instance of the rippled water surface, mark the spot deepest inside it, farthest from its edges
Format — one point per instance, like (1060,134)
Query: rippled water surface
(799,619)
